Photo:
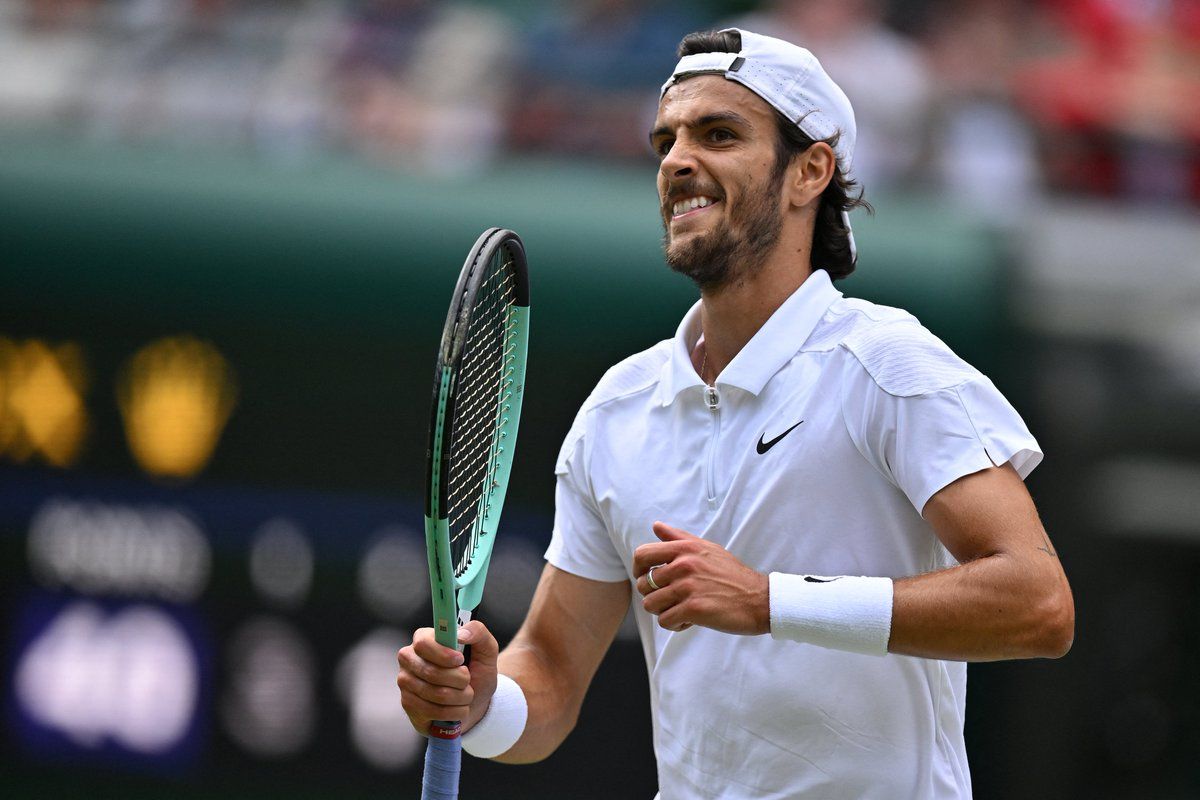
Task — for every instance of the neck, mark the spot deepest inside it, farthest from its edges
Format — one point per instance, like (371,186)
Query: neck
(731,314)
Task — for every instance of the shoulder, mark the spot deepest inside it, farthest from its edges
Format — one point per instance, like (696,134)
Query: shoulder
(890,347)
(637,373)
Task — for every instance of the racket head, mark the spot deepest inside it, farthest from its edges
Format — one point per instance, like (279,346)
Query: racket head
(478,388)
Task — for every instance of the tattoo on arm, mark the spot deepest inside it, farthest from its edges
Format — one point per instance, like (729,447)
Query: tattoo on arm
(1048,550)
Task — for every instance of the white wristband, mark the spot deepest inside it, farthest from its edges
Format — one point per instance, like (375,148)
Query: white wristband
(841,612)
(502,724)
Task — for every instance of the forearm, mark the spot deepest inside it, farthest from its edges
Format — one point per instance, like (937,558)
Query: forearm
(553,708)
(992,608)
(1008,598)
(553,657)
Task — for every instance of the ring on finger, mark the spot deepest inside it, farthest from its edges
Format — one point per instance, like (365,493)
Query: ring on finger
(650,576)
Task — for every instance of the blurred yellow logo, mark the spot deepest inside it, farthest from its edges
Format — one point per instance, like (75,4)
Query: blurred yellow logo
(175,396)
(41,401)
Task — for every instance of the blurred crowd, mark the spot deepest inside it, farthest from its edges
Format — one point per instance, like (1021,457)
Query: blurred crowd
(990,103)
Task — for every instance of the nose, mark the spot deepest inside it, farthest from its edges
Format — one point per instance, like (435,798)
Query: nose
(679,162)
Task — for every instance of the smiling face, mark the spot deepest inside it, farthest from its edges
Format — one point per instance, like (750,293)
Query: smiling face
(718,186)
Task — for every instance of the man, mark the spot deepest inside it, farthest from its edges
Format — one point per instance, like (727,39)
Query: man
(820,505)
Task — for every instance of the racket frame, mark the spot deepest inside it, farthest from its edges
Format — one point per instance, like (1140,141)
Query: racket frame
(455,597)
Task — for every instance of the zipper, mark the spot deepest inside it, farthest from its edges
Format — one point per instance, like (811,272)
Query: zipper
(712,399)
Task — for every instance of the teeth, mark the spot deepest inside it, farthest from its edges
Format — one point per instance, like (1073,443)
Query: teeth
(690,204)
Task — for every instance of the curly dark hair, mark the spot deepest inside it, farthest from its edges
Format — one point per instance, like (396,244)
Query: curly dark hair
(831,239)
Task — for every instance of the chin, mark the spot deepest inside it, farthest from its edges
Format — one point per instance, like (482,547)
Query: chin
(686,246)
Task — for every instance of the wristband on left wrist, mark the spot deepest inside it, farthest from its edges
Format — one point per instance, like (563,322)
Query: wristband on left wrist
(502,724)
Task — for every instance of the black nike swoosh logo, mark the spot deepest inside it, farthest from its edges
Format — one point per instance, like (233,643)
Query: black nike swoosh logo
(811,579)
(763,447)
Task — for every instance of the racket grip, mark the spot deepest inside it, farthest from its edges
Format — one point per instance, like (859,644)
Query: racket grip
(443,759)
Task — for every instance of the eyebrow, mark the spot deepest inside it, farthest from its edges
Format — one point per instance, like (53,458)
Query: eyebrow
(707,119)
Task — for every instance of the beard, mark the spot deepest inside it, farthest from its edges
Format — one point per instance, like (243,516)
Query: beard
(736,247)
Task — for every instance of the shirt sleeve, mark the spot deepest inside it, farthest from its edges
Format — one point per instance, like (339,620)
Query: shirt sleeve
(580,543)
(926,440)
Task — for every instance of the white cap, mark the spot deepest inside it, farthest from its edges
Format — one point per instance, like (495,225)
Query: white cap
(789,78)
(792,80)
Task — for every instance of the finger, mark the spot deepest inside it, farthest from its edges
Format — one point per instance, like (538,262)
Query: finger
(413,688)
(484,647)
(674,618)
(426,647)
(648,555)
(454,677)
(669,533)
(422,712)
(662,577)
(659,602)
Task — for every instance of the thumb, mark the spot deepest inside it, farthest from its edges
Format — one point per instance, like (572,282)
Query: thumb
(669,533)
(484,647)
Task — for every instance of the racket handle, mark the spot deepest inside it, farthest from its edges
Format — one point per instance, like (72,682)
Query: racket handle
(443,759)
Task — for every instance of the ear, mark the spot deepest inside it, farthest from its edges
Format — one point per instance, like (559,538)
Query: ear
(809,173)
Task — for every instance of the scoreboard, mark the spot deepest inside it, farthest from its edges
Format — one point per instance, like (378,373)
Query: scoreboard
(157,627)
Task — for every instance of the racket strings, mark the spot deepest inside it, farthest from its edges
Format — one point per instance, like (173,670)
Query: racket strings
(480,398)
(474,378)
(484,385)
(475,480)
(485,469)
(479,359)
(490,481)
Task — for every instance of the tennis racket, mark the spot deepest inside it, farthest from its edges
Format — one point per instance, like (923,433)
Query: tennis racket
(477,390)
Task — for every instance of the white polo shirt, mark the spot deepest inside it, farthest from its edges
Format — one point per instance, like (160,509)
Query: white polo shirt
(879,415)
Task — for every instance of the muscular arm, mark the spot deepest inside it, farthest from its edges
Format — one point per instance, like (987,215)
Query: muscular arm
(1008,597)
(570,625)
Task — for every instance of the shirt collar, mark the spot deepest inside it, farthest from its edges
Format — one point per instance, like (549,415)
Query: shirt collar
(767,351)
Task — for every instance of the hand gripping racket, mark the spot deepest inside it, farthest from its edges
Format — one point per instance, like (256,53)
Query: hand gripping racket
(477,391)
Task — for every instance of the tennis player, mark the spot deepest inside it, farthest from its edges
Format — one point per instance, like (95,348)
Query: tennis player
(820,507)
